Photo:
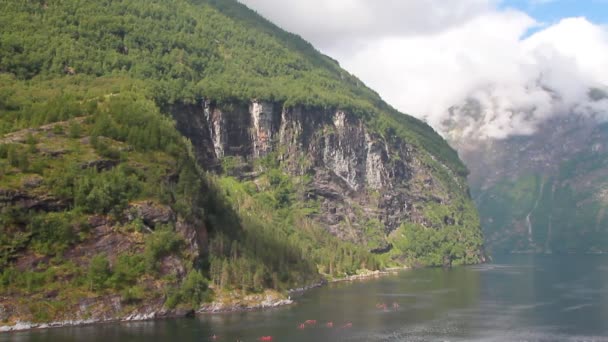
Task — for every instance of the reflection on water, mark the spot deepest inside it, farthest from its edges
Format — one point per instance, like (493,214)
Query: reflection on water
(519,298)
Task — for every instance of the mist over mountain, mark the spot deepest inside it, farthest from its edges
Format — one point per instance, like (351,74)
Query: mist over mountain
(431,59)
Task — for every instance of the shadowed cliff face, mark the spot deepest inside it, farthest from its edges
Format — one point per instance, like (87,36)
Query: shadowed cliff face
(357,176)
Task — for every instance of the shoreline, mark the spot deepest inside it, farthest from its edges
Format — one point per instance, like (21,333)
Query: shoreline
(370,275)
(269,302)
(155,315)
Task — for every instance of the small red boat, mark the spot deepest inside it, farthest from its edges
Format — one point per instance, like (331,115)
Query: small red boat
(265,338)
(311,322)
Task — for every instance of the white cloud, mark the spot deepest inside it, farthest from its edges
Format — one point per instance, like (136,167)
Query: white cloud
(329,23)
(430,58)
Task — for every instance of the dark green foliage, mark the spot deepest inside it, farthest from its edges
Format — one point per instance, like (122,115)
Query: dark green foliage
(193,291)
(83,180)
(184,52)
(278,246)
(29,281)
(132,295)
(374,232)
(106,192)
(195,288)
(54,232)
(188,193)
(12,237)
(61,182)
(136,121)
(16,156)
(104,149)
(449,237)
(46,233)
(37,103)
(127,270)
(74,130)
(99,272)
(431,247)
(162,242)
(282,193)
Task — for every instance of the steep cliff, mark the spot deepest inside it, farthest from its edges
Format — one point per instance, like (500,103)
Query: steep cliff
(366,185)
(158,156)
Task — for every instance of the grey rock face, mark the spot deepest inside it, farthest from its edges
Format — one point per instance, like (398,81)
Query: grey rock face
(357,175)
(150,213)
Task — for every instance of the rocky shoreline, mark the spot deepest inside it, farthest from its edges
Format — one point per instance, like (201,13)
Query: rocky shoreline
(162,314)
(231,302)
(226,303)
(369,275)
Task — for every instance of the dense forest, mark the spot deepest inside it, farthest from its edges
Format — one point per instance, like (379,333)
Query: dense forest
(84,139)
(188,51)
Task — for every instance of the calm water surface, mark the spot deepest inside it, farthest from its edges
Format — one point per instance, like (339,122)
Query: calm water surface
(518,298)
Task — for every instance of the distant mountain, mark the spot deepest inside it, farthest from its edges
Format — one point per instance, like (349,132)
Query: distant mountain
(159,156)
(546,192)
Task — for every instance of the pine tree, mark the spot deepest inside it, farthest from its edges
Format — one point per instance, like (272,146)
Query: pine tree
(258,279)
(225,276)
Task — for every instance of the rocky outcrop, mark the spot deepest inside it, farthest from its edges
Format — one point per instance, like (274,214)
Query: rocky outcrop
(100,165)
(150,213)
(262,127)
(357,174)
(132,317)
(231,302)
(30,201)
(111,237)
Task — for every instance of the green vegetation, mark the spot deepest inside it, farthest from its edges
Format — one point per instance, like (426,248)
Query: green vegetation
(85,141)
(163,241)
(187,51)
(564,218)
(280,245)
(194,291)
(101,162)
(449,237)
(94,167)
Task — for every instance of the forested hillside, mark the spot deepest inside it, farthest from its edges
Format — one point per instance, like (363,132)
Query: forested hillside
(189,50)
(157,155)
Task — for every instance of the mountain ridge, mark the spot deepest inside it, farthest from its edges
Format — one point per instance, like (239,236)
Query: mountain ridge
(542,192)
(155,158)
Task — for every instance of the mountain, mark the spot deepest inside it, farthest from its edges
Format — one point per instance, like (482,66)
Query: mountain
(544,192)
(158,157)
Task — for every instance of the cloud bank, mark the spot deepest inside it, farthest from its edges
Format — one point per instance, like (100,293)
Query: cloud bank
(468,67)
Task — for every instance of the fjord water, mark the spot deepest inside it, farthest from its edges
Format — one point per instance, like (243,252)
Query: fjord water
(516,298)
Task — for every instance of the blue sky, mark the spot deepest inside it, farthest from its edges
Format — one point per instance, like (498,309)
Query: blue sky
(551,11)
